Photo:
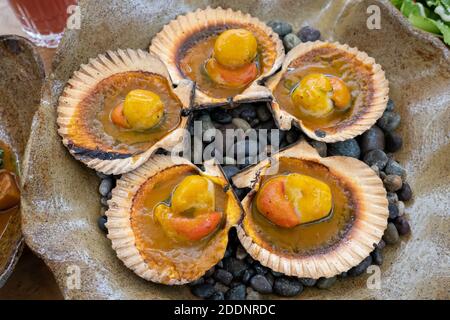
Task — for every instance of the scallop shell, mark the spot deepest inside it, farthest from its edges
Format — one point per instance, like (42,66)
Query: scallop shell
(167,43)
(366,231)
(85,80)
(358,124)
(121,233)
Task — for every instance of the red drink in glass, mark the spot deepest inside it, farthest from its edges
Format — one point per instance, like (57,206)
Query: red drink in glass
(43,20)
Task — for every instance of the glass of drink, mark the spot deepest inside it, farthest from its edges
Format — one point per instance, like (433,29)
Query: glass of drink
(43,20)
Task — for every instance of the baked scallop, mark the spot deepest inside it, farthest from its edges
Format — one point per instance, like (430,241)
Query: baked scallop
(226,53)
(118,109)
(308,216)
(331,91)
(168,220)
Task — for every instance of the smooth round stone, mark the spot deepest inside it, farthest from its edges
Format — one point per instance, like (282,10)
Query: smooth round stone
(197,282)
(248,113)
(220,287)
(254,123)
(381,245)
(405,193)
(393,142)
(392,182)
(377,257)
(217,296)
(260,269)
(287,287)
(269,276)
(241,124)
(308,34)
(308,282)
(391,234)
(101,223)
(221,116)
(372,139)
(253,294)
(276,274)
(209,273)
(402,225)
(204,290)
(235,266)
(104,201)
(236,293)
(248,274)
(348,148)
(389,121)
(361,267)
(223,276)
(261,284)
(263,113)
(290,41)
(390,105)
(280,27)
(99,174)
(320,146)
(210,281)
(394,168)
(392,197)
(105,186)
(230,171)
(393,211)
(376,157)
(326,283)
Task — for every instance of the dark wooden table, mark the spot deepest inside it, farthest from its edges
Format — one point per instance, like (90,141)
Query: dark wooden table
(31,278)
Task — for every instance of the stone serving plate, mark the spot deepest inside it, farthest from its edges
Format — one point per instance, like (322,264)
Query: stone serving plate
(21,78)
(61,202)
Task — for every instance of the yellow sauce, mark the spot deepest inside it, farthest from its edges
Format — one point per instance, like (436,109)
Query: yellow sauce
(95,111)
(193,55)
(310,238)
(154,244)
(330,62)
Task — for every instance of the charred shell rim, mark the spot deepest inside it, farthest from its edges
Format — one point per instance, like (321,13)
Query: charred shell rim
(81,85)
(367,229)
(356,125)
(167,43)
(120,231)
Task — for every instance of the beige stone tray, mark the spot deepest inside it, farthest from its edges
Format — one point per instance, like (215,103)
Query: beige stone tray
(61,202)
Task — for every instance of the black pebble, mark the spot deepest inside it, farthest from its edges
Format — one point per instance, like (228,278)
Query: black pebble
(390,105)
(393,211)
(217,296)
(203,290)
(280,27)
(261,284)
(287,287)
(376,157)
(260,269)
(247,275)
(402,225)
(360,268)
(235,266)
(221,116)
(209,273)
(377,256)
(248,114)
(348,148)
(372,139)
(223,276)
(389,121)
(101,223)
(236,293)
(308,282)
(394,142)
(405,193)
(308,34)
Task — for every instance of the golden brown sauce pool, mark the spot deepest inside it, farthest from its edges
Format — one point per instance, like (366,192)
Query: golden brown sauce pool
(309,238)
(331,62)
(9,163)
(152,242)
(95,111)
(193,54)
